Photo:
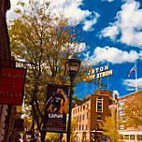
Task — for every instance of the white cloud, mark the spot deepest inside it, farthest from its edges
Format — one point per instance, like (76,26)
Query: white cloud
(128,24)
(81,47)
(78,47)
(69,9)
(113,55)
(111,32)
(89,60)
(88,24)
(133,83)
(10,13)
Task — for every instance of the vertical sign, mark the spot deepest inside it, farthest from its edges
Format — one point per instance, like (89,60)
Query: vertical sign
(56,108)
(12,85)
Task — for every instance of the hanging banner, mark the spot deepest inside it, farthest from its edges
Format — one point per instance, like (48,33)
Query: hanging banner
(56,108)
(12,85)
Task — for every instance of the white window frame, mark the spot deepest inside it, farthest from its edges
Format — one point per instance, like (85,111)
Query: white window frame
(98,100)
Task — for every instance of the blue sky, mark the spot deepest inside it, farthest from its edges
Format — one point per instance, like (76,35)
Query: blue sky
(111,33)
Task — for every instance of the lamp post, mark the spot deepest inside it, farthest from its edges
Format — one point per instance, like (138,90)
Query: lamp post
(72,66)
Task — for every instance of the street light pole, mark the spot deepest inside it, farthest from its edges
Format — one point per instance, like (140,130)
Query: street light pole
(70,109)
(72,66)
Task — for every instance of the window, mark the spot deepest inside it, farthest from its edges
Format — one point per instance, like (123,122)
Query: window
(139,137)
(83,117)
(121,137)
(80,109)
(132,137)
(83,107)
(99,116)
(122,127)
(82,127)
(79,126)
(126,137)
(99,104)
(86,127)
(121,113)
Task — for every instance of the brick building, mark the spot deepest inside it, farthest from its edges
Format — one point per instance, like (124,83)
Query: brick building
(6,111)
(4,56)
(89,114)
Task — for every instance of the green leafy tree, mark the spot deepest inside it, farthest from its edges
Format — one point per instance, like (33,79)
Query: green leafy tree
(43,42)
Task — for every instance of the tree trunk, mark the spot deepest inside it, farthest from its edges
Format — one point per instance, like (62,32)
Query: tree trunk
(32,128)
(61,136)
(43,134)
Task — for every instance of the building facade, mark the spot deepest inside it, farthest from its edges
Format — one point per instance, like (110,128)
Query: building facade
(6,60)
(5,55)
(90,114)
(129,134)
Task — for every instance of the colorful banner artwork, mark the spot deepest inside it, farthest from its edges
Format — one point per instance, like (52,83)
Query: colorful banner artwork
(12,85)
(56,108)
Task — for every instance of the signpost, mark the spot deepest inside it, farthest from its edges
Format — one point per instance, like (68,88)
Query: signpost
(12,85)
(99,72)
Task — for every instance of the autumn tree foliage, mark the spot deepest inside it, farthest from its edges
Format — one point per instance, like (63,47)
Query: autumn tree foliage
(43,42)
(110,125)
(133,110)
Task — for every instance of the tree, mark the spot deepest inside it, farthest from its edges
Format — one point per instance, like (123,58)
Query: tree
(76,101)
(110,126)
(73,128)
(43,42)
(52,137)
(133,111)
